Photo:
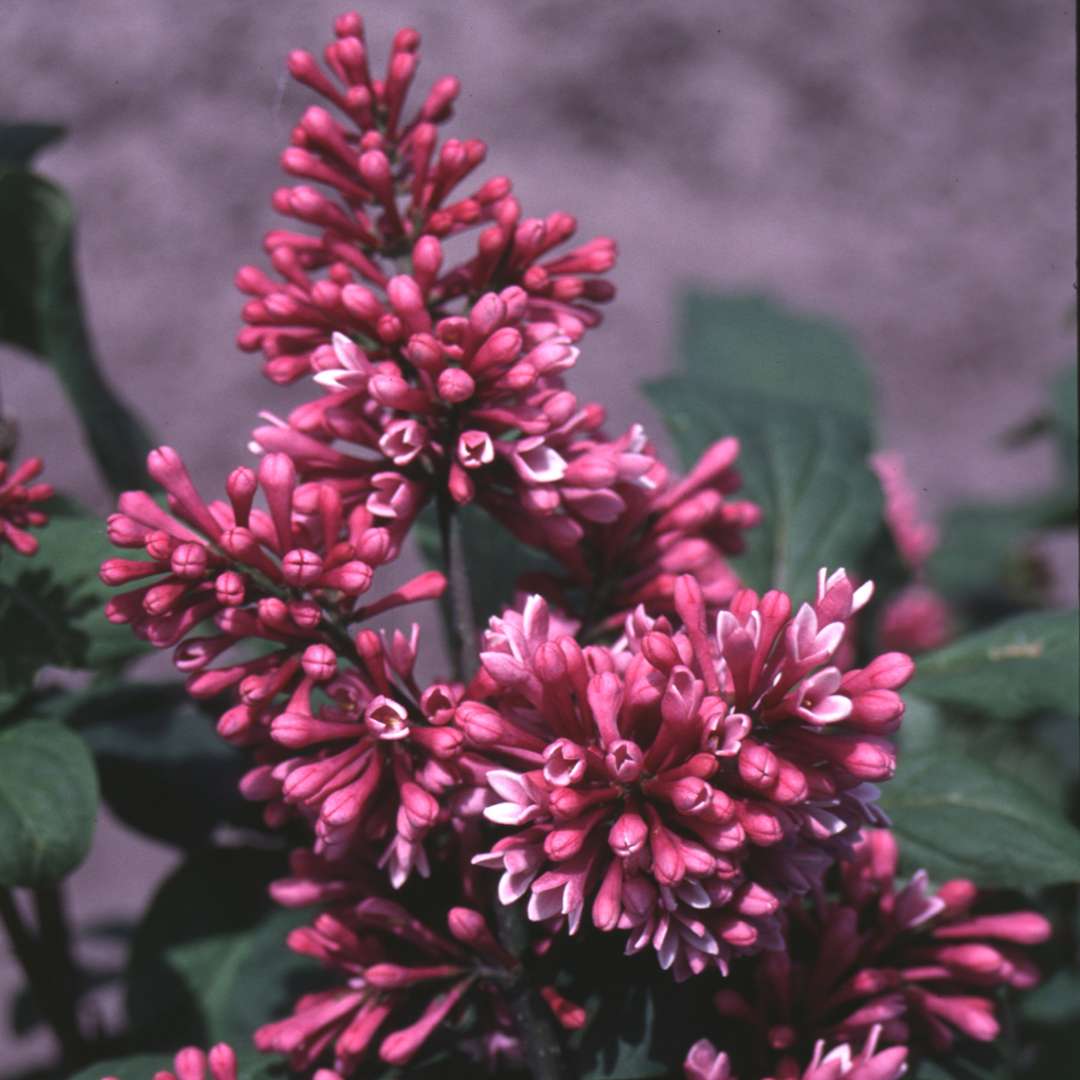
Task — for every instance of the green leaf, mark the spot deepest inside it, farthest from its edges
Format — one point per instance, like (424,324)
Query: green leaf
(41,311)
(956,816)
(164,770)
(38,625)
(1054,1002)
(982,548)
(20,142)
(795,393)
(1024,665)
(750,343)
(48,802)
(618,1044)
(209,961)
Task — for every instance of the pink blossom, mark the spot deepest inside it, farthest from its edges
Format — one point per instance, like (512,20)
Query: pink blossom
(394,965)
(899,963)
(375,186)
(915,538)
(17,510)
(640,779)
(346,737)
(219,1063)
(917,619)
(705,1062)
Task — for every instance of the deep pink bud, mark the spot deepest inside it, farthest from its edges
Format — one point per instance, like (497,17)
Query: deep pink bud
(455,385)
(628,835)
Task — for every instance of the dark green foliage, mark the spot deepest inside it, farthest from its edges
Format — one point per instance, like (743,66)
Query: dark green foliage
(48,802)
(794,392)
(41,306)
(209,961)
(164,770)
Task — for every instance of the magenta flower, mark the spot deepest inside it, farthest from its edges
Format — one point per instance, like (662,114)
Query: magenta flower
(705,1062)
(397,967)
(915,538)
(917,619)
(682,782)
(655,529)
(219,1063)
(919,965)
(17,510)
(376,187)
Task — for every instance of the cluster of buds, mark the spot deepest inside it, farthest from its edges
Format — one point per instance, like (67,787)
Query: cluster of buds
(219,1063)
(917,967)
(685,782)
(688,776)
(379,190)
(705,1062)
(396,965)
(18,511)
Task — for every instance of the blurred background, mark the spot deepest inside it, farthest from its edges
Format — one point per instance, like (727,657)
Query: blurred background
(906,167)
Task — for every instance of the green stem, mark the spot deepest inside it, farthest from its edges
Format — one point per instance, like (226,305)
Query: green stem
(460,624)
(50,971)
(532,1017)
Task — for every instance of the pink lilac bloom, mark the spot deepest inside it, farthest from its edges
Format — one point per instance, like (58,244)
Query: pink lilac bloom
(920,965)
(687,780)
(397,969)
(344,735)
(654,531)
(377,189)
(18,511)
(219,1063)
(915,538)
(475,407)
(918,618)
(705,1062)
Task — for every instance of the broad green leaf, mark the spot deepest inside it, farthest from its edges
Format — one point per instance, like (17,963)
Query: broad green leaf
(209,961)
(20,142)
(1024,665)
(956,816)
(982,548)
(752,344)
(1056,1001)
(619,1041)
(820,504)
(164,771)
(48,802)
(41,311)
(794,393)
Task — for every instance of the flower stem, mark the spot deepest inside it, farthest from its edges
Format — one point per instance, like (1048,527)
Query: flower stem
(50,971)
(459,624)
(539,1036)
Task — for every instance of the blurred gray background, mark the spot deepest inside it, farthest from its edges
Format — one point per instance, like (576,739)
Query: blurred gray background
(906,166)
